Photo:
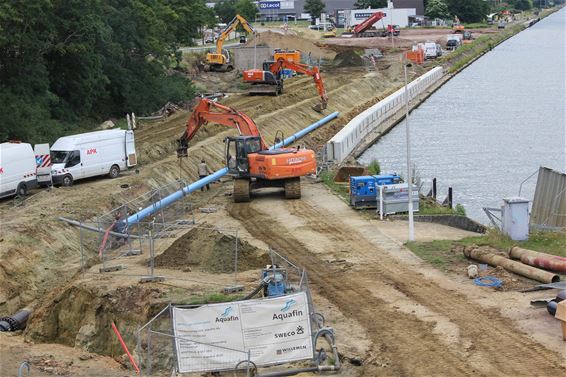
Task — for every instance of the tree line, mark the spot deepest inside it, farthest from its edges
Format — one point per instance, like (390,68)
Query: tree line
(65,65)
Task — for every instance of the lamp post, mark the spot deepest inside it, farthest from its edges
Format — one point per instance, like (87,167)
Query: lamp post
(409,172)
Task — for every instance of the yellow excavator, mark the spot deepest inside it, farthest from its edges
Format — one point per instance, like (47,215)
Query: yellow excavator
(220,60)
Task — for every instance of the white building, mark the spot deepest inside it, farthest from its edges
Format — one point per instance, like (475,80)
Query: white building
(393,16)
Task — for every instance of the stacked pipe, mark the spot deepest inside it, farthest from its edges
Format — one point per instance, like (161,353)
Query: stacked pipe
(510,265)
(534,258)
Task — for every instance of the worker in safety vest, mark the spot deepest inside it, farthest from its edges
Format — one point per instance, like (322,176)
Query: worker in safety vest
(203,171)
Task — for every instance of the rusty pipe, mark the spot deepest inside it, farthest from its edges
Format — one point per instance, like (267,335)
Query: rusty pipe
(534,258)
(510,265)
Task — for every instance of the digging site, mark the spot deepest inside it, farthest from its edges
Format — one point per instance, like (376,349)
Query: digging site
(392,313)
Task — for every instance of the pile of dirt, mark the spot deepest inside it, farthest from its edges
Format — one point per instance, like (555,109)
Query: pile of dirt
(209,250)
(291,42)
(348,58)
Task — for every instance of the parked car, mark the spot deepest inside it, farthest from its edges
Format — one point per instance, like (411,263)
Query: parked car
(322,27)
(453,42)
(92,154)
(17,169)
(501,25)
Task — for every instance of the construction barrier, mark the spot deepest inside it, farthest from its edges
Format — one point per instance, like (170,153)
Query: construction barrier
(345,141)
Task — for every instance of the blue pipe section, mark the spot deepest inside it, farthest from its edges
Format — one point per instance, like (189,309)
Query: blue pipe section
(171,198)
(291,139)
(139,216)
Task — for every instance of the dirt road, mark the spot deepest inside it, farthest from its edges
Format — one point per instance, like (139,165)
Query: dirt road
(417,326)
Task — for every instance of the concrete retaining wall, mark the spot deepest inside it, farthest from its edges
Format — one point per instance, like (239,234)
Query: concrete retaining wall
(243,57)
(354,133)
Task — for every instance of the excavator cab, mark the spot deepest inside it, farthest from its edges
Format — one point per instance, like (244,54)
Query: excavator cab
(237,150)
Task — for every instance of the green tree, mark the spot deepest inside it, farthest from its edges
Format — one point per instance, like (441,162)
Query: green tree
(373,4)
(247,9)
(66,63)
(225,10)
(468,10)
(314,8)
(437,9)
(521,4)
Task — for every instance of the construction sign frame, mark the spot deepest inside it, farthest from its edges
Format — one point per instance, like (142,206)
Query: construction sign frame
(239,335)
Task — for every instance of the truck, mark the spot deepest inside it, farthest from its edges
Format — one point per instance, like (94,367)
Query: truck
(17,169)
(92,154)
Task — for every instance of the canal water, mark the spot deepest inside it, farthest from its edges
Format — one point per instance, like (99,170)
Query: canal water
(492,125)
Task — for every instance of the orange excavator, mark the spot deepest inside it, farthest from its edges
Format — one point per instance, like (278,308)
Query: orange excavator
(248,158)
(269,81)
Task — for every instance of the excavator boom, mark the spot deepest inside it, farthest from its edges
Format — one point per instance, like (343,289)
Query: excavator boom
(256,76)
(224,115)
(218,61)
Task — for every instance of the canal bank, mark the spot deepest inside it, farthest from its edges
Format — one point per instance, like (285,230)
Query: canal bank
(492,125)
(453,64)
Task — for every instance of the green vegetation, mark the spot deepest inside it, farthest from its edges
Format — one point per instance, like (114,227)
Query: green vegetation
(373,4)
(428,206)
(468,10)
(341,190)
(314,7)
(227,10)
(374,168)
(66,65)
(179,296)
(439,254)
(437,9)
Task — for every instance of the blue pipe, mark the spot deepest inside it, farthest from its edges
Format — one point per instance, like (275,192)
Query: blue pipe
(139,216)
(147,211)
(291,139)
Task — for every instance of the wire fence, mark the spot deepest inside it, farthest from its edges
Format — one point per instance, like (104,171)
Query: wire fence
(157,343)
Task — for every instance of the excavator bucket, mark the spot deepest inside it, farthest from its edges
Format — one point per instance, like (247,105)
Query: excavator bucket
(319,107)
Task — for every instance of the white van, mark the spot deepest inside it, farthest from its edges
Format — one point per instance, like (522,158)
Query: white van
(91,154)
(17,169)
(432,50)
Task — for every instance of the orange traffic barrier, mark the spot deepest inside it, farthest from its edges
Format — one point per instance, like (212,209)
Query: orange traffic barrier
(415,56)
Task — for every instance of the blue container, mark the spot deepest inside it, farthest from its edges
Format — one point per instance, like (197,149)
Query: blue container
(364,191)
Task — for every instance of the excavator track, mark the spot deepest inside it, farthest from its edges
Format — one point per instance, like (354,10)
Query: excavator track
(242,190)
(293,188)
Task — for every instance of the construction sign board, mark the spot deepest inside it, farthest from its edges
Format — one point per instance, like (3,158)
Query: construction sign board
(218,336)
(43,163)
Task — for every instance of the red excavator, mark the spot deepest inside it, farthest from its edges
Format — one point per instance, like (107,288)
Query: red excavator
(249,159)
(269,80)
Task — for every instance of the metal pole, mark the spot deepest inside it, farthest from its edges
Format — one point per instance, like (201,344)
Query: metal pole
(81,247)
(434,188)
(151,254)
(236,261)
(409,172)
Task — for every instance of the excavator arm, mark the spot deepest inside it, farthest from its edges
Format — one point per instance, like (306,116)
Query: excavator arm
(203,113)
(305,69)
(238,20)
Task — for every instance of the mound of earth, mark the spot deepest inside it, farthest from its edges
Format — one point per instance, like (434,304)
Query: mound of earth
(291,42)
(348,59)
(209,250)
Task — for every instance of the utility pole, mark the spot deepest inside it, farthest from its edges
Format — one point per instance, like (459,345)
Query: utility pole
(409,170)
